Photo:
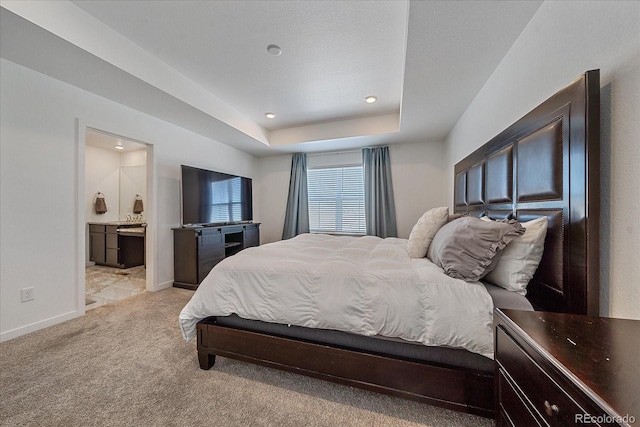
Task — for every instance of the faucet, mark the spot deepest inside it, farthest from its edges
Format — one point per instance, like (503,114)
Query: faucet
(131,218)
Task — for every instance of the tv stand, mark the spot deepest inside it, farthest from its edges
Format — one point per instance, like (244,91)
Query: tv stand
(196,250)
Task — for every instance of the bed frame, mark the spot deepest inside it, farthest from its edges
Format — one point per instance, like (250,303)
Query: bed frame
(547,163)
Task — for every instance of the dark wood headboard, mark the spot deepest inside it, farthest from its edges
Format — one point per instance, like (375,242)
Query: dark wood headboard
(547,163)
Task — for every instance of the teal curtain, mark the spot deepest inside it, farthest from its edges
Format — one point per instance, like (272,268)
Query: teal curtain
(379,205)
(296,219)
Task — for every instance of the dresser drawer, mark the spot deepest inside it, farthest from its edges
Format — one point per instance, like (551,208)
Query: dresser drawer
(513,411)
(95,228)
(544,395)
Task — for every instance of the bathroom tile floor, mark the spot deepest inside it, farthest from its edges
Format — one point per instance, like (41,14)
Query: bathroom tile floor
(105,285)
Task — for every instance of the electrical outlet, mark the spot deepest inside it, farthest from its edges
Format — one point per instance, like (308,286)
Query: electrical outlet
(27,294)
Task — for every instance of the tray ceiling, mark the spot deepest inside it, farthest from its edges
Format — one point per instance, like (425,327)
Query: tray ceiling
(204,65)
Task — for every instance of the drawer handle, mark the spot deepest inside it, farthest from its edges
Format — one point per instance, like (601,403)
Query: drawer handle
(551,410)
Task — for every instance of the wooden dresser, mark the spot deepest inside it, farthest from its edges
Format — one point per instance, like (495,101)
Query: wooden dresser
(565,370)
(196,250)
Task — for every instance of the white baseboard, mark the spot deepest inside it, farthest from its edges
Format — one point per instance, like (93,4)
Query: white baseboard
(161,286)
(23,330)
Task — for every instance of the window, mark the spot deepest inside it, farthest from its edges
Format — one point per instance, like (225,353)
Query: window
(336,200)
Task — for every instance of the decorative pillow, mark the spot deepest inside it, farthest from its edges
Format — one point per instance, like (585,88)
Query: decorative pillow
(521,257)
(468,248)
(424,230)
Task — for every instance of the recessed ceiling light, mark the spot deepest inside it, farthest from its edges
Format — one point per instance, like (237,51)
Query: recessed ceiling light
(119,146)
(270,115)
(274,49)
(370,99)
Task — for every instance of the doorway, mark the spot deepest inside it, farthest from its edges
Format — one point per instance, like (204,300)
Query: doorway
(115,217)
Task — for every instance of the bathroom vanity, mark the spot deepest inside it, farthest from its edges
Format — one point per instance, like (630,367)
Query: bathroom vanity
(117,243)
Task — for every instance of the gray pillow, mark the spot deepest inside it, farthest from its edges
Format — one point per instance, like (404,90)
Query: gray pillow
(468,248)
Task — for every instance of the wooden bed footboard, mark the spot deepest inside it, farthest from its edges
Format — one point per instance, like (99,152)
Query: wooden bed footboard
(450,387)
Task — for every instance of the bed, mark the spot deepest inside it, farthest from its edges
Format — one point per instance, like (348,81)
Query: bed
(544,165)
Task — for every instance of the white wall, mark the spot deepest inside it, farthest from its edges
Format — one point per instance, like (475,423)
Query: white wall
(564,39)
(270,196)
(419,175)
(38,189)
(418,172)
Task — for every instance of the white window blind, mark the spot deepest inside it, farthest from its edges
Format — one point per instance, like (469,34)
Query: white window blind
(336,200)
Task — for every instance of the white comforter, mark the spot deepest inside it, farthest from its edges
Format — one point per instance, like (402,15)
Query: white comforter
(363,285)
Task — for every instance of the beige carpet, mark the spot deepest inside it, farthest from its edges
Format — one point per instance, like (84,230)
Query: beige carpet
(127,365)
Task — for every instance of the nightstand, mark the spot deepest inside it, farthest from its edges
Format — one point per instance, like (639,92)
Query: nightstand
(565,370)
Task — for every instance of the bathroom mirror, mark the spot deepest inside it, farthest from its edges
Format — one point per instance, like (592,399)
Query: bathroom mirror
(133,181)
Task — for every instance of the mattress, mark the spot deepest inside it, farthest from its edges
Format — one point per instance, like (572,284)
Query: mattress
(362,285)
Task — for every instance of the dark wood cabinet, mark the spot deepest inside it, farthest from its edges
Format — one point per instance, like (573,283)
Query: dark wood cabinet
(251,236)
(556,369)
(97,244)
(117,245)
(196,250)
(112,247)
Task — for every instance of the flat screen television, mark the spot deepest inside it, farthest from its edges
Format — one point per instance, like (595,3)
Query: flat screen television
(215,198)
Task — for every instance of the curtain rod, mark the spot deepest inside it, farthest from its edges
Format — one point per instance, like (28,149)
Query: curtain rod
(334,152)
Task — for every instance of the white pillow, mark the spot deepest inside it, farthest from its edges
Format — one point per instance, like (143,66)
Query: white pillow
(424,230)
(521,257)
